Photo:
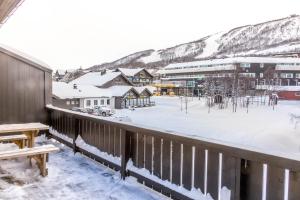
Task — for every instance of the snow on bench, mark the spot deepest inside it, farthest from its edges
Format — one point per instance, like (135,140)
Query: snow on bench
(39,153)
(17,139)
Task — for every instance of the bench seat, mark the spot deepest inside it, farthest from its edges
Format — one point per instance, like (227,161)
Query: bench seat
(39,153)
(17,139)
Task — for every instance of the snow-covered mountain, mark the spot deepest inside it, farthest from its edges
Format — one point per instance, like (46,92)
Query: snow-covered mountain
(272,37)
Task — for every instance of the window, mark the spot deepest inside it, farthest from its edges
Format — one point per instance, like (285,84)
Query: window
(102,102)
(297,75)
(286,75)
(88,102)
(68,102)
(261,65)
(108,101)
(95,102)
(245,65)
(261,75)
(72,102)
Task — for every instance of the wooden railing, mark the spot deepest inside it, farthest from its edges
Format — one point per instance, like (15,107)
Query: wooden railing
(183,161)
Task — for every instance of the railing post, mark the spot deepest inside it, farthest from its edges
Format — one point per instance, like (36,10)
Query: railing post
(77,132)
(124,153)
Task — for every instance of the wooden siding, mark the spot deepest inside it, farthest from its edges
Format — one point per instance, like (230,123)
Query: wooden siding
(24,91)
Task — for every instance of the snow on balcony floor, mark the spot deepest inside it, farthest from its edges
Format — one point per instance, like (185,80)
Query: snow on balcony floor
(70,177)
(262,128)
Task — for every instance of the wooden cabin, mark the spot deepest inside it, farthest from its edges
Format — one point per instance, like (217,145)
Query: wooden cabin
(138,76)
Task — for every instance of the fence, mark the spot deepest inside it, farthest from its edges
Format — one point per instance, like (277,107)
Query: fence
(182,161)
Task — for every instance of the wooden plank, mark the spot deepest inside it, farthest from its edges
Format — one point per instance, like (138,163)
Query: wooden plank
(133,148)
(117,142)
(12,137)
(212,173)
(230,173)
(148,153)
(28,151)
(157,157)
(176,159)
(275,183)
(199,168)
(166,160)
(111,139)
(251,180)
(12,128)
(141,151)
(102,137)
(294,185)
(187,166)
(106,138)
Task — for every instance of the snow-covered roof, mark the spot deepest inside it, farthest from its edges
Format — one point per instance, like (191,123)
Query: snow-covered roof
(64,90)
(119,90)
(95,78)
(129,71)
(24,57)
(140,90)
(234,60)
(287,88)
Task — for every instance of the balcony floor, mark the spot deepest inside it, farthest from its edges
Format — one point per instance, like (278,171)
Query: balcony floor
(70,177)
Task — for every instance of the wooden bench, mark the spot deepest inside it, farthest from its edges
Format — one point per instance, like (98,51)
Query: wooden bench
(39,153)
(31,130)
(17,139)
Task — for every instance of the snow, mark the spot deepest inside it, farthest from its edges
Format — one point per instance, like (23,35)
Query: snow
(66,91)
(193,194)
(70,177)
(287,88)
(95,78)
(212,45)
(140,90)
(129,71)
(262,129)
(153,57)
(16,53)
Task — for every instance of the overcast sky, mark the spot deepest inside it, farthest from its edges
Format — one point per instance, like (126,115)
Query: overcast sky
(72,33)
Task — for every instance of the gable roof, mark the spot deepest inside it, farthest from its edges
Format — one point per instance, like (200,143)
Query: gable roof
(64,90)
(143,89)
(97,79)
(24,57)
(121,90)
(132,72)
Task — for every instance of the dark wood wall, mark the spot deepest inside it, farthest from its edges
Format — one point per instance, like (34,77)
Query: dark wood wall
(25,89)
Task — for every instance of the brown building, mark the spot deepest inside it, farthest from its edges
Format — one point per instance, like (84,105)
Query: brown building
(138,76)
(25,87)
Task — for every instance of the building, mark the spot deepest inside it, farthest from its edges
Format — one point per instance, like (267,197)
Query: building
(102,79)
(59,74)
(87,96)
(261,72)
(138,76)
(288,92)
(25,87)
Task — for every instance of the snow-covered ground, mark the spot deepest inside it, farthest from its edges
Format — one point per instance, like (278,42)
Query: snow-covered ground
(262,127)
(71,177)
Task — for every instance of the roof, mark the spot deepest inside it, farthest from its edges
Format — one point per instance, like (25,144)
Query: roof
(64,90)
(120,90)
(95,78)
(132,71)
(7,8)
(288,88)
(24,57)
(140,90)
(234,60)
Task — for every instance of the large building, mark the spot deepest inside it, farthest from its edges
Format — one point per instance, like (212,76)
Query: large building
(138,76)
(262,72)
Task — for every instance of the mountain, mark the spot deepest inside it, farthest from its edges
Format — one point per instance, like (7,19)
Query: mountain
(268,38)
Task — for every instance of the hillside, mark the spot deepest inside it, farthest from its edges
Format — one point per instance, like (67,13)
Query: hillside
(272,37)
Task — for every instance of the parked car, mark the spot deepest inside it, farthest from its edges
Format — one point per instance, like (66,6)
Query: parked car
(103,111)
(84,110)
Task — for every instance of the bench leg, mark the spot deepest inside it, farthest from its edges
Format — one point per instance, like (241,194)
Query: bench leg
(31,137)
(41,162)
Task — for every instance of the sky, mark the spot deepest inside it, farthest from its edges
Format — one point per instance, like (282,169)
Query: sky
(68,34)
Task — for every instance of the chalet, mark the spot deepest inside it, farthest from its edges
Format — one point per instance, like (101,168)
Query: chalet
(102,79)
(87,96)
(138,76)
(260,71)
(25,87)
(144,96)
